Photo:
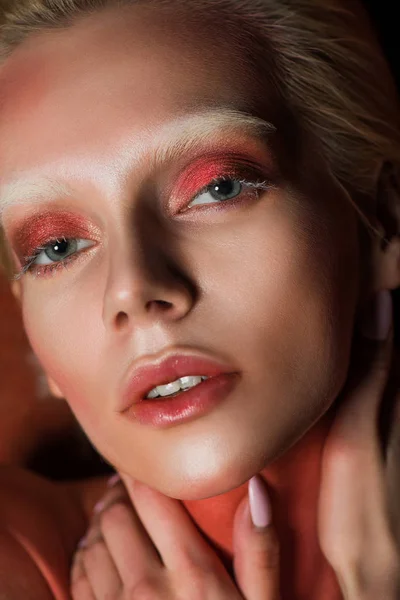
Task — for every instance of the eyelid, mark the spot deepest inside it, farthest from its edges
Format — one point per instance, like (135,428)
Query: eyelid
(243,160)
(47,225)
(29,264)
(251,184)
(41,251)
(200,174)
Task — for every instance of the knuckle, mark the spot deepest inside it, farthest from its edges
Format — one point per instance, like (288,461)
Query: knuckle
(341,550)
(196,562)
(344,456)
(199,567)
(116,515)
(91,552)
(117,492)
(195,571)
(270,560)
(92,536)
(199,583)
(145,589)
(266,554)
(202,578)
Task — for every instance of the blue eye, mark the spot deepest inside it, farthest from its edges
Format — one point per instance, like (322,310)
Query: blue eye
(56,253)
(58,250)
(222,189)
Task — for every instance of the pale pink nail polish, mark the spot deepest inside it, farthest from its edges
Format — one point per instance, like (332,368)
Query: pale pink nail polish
(82,543)
(113,480)
(260,507)
(98,507)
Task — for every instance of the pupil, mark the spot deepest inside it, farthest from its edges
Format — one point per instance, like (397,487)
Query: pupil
(57,249)
(226,187)
(61,247)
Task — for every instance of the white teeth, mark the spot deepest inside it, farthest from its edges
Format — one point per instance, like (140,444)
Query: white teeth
(183,383)
(189,381)
(169,388)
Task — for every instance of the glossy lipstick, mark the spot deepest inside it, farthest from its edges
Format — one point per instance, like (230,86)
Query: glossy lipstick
(186,405)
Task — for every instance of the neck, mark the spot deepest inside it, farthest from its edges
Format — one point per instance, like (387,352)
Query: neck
(293,483)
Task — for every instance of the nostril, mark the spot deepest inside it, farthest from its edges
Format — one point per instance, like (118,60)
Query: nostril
(121,319)
(162,304)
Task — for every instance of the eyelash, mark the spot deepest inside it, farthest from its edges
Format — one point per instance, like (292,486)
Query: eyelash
(254,185)
(42,270)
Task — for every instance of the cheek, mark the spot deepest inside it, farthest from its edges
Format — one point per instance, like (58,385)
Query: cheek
(55,331)
(286,298)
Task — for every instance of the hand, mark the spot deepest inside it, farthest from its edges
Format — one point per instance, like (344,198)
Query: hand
(142,544)
(359,506)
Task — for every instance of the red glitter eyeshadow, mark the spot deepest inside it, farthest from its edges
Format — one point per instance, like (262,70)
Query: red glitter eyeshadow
(202,171)
(44,227)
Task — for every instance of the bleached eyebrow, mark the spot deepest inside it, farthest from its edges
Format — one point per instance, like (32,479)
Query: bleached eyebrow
(171,141)
(184,134)
(24,191)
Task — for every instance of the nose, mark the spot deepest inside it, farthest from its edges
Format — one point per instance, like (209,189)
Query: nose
(139,292)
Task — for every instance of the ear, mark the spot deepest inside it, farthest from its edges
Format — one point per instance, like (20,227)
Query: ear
(386,250)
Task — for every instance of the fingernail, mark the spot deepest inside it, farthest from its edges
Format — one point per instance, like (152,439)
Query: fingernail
(82,543)
(260,507)
(98,507)
(376,325)
(113,480)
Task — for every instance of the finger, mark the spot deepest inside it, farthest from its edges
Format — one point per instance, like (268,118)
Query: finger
(256,547)
(80,586)
(115,493)
(82,591)
(101,571)
(170,527)
(130,547)
(362,396)
(77,570)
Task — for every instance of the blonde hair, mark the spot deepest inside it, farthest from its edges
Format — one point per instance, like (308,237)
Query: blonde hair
(326,60)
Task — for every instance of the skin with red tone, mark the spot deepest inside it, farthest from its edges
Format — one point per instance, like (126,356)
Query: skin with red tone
(54,533)
(43,228)
(39,526)
(203,171)
(270,284)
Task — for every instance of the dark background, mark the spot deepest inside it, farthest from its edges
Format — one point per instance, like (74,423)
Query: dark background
(383,16)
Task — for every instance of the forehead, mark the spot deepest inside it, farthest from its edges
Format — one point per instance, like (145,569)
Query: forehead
(136,52)
(110,79)
(110,67)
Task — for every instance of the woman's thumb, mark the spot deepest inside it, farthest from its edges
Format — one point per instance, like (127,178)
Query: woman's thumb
(256,546)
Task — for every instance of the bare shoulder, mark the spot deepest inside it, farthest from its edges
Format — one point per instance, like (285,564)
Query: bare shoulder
(40,525)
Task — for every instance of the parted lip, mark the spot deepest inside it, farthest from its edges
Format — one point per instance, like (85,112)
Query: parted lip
(171,365)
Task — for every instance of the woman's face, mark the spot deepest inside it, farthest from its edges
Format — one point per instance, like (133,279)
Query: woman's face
(266,281)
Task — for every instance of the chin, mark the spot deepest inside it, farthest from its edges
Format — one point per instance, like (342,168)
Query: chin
(210,483)
(199,490)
